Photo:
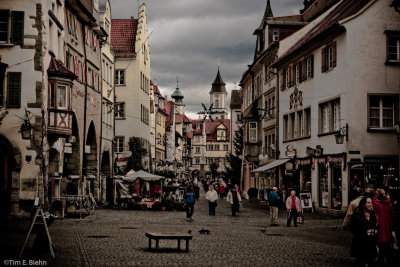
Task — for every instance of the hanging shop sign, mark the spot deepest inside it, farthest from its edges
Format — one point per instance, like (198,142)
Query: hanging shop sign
(290,151)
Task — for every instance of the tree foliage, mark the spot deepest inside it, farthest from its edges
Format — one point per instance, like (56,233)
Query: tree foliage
(135,161)
(234,166)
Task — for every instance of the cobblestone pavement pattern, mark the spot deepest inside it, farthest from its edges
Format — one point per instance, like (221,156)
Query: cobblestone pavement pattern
(117,238)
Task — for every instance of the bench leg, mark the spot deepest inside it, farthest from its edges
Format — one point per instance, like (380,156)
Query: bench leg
(149,243)
(158,248)
(187,245)
(179,244)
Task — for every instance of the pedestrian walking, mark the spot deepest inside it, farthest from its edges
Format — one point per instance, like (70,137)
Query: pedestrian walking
(196,191)
(293,207)
(363,226)
(384,216)
(274,202)
(212,198)
(234,198)
(189,203)
(221,190)
(352,207)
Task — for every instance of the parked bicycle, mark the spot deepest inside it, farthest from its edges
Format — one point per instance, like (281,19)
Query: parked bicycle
(88,203)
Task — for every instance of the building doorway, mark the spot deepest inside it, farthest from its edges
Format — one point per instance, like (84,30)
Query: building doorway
(7,164)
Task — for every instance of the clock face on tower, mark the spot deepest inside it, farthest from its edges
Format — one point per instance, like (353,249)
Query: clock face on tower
(216,95)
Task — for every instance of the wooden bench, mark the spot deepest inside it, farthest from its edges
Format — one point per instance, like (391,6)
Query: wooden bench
(171,236)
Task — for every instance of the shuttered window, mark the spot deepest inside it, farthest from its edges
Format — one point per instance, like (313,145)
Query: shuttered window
(328,57)
(17,27)
(14,33)
(14,89)
(4,20)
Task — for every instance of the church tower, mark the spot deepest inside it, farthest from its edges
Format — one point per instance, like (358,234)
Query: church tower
(218,97)
(178,96)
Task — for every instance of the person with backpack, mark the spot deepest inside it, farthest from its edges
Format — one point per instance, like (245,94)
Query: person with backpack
(189,203)
(274,203)
(234,198)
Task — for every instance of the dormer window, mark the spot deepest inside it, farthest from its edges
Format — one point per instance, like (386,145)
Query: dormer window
(275,36)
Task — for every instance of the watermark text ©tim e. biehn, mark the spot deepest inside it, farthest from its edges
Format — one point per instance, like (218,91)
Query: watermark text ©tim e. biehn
(25,263)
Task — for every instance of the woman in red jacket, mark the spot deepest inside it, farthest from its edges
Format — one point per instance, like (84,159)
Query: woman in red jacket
(384,218)
(221,190)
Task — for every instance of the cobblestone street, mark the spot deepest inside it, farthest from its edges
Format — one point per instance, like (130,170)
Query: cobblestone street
(117,237)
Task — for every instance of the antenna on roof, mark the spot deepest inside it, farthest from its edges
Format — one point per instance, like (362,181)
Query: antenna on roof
(219,62)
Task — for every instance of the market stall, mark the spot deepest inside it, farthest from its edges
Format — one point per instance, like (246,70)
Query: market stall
(143,188)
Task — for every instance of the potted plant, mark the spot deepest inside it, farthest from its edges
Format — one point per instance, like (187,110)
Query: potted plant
(169,203)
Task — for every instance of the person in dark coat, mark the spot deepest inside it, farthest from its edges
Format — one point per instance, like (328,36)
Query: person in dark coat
(363,227)
(384,217)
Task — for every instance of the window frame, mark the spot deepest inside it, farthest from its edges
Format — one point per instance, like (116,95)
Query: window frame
(118,77)
(119,144)
(118,113)
(253,134)
(329,106)
(395,109)
(389,35)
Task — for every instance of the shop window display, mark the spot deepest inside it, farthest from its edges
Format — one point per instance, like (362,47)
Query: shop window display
(306,183)
(323,186)
(336,187)
(356,180)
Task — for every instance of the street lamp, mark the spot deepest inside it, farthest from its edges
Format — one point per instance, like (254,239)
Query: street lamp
(26,126)
(397,127)
(344,131)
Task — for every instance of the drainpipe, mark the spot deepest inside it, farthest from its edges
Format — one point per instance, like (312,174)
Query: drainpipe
(84,109)
(101,129)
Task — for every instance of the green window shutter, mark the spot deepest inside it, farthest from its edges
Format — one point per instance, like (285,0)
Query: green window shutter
(14,89)
(17,27)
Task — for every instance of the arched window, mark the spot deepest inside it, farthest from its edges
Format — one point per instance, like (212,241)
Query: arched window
(216,103)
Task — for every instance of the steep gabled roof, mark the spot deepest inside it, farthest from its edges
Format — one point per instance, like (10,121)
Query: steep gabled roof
(179,118)
(211,129)
(330,21)
(218,85)
(123,37)
(267,14)
(58,69)
(236,100)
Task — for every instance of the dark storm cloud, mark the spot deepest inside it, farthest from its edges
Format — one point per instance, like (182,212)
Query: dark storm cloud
(188,37)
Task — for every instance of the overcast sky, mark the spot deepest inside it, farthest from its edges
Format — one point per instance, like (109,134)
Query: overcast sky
(188,37)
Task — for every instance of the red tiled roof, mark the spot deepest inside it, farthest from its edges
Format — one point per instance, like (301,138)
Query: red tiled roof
(123,37)
(179,118)
(156,90)
(211,129)
(168,109)
(57,68)
(189,135)
(343,10)
(162,111)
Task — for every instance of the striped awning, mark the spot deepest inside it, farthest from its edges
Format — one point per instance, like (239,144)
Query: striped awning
(271,165)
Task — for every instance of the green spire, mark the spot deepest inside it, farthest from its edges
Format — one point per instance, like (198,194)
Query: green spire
(267,14)
(177,94)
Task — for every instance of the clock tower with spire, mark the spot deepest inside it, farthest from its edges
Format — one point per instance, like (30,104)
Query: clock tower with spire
(218,97)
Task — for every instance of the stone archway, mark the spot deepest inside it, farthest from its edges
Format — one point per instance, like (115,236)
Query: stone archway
(10,166)
(72,162)
(90,161)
